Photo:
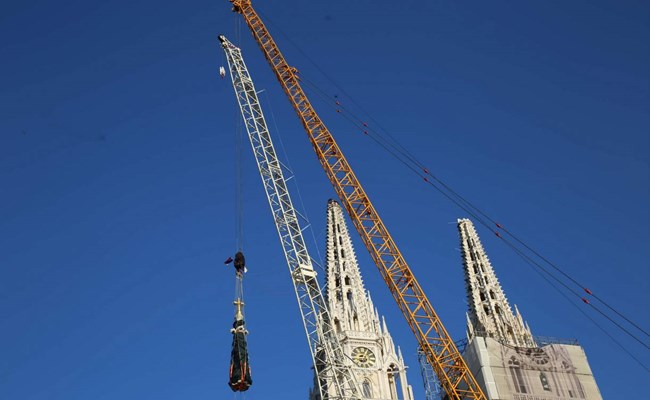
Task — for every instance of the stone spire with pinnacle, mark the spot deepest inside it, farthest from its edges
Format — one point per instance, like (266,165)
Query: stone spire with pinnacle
(489,311)
(350,305)
(377,363)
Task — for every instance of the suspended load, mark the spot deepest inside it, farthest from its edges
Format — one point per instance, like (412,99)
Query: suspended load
(240,263)
(240,371)
(222,72)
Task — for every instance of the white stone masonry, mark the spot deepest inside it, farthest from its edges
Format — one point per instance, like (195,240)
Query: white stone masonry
(489,312)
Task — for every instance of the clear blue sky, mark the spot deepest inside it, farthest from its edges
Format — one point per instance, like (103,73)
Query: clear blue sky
(117,177)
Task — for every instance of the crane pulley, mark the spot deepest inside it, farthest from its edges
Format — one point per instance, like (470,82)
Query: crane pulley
(455,377)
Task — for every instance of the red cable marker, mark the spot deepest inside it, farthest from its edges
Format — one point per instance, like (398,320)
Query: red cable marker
(499,226)
(587,291)
(585,300)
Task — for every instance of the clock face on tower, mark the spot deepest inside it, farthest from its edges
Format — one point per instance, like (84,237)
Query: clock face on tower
(363,357)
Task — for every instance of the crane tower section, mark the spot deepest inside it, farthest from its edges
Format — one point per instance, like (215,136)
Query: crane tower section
(327,355)
(434,340)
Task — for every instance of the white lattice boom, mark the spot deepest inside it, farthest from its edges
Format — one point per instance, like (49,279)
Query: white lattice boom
(327,354)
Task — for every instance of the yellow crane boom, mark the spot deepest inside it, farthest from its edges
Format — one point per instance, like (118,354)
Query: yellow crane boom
(455,377)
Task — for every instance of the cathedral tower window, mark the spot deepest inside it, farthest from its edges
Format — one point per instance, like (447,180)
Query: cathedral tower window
(366,389)
(347,280)
(517,376)
(544,381)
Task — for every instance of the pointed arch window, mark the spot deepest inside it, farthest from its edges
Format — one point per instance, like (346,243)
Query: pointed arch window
(486,309)
(340,240)
(366,389)
(482,295)
(544,381)
(347,280)
(342,253)
(517,377)
(492,296)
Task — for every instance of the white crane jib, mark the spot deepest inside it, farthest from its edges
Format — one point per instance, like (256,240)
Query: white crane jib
(326,351)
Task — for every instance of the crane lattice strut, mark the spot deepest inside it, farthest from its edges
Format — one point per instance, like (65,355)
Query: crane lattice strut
(455,377)
(325,348)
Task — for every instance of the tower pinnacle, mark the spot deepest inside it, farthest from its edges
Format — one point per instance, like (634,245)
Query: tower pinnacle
(349,304)
(489,312)
(376,362)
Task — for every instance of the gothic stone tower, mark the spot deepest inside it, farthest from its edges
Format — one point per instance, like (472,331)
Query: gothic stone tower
(509,363)
(489,311)
(378,366)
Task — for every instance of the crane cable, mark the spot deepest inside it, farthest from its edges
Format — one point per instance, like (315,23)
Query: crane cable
(402,155)
(239,228)
(463,204)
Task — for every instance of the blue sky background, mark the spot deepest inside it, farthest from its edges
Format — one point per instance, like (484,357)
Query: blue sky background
(117,176)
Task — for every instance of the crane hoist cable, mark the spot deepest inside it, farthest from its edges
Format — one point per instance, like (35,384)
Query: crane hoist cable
(441,352)
(240,379)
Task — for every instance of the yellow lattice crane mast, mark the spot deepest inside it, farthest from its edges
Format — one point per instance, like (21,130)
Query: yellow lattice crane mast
(439,348)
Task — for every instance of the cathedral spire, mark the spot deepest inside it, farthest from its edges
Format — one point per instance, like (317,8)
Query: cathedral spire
(489,311)
(350,306)
(369,348)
